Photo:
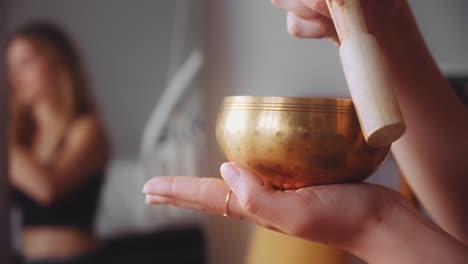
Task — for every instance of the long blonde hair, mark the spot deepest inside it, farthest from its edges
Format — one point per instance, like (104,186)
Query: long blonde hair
(73,96)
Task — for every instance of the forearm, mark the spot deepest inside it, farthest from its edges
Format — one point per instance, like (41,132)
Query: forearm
(432,153)
(28,177)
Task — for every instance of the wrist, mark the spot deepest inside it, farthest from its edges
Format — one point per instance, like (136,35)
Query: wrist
(405,236)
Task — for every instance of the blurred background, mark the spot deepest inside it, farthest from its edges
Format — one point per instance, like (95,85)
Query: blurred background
(155,65)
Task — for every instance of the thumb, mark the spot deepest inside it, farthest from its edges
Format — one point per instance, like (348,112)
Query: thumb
(254,197)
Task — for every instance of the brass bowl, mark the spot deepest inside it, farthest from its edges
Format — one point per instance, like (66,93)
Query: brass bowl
(292,143)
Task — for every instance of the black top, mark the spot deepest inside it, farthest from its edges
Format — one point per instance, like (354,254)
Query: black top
(76,209)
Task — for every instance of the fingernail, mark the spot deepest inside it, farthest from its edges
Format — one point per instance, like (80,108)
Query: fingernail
(153,186)
(155,199)
(230,173)
(148,199)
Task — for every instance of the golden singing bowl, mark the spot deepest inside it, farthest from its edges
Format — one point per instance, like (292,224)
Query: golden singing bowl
(292,143)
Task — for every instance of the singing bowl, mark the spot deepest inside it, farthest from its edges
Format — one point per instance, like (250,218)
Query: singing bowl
(295,142)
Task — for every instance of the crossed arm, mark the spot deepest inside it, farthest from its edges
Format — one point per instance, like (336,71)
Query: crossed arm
(84,153)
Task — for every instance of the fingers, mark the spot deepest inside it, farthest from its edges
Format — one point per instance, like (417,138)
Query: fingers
(205,194)
(202,194)
(297,7)
(160,200)
(308,19)
(156,199)
(304,8)
(304,28)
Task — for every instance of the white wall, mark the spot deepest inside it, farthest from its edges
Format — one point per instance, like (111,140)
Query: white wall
(267,61)
(444,25)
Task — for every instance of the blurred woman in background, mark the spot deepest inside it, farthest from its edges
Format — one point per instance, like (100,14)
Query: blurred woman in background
(58,149)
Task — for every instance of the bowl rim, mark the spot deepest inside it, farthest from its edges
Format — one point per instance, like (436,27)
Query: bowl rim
(287,103)
(287,99)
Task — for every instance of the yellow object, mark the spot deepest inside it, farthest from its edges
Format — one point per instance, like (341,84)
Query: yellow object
(268,247)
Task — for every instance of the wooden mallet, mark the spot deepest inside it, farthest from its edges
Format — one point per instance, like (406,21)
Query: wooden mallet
(367,75)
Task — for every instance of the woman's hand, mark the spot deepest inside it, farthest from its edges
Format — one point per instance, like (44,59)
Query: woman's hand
(331,214)
(364,219)
(311,18)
